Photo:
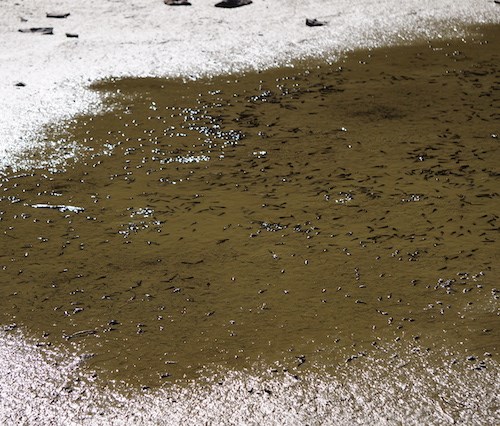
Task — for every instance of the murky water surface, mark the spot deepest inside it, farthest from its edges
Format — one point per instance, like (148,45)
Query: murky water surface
(298,219)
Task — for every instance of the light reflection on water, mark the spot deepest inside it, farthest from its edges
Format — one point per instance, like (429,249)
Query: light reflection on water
(43,386)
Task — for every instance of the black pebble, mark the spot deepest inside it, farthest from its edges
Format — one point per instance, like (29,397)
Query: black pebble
(57,15)
(38,30)
(314,23)
(233,3)
(177,2)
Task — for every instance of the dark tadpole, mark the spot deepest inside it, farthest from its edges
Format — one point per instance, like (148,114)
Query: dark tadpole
(301,359)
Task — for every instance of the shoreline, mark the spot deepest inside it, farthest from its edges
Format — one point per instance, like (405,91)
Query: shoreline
(366,392)
(378,123)
(56,69)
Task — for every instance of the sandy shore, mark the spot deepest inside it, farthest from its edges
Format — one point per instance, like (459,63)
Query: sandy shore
(147,38)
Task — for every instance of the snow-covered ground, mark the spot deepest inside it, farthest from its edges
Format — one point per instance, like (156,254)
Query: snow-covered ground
(148,38)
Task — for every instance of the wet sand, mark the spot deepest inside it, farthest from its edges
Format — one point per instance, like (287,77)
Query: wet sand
(296,220)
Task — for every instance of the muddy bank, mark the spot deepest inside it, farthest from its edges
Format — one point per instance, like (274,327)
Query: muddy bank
(302,220)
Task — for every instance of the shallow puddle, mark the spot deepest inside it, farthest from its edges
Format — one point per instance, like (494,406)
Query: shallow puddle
(295,219)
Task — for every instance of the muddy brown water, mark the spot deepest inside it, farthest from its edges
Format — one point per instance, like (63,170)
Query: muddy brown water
(292,218)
